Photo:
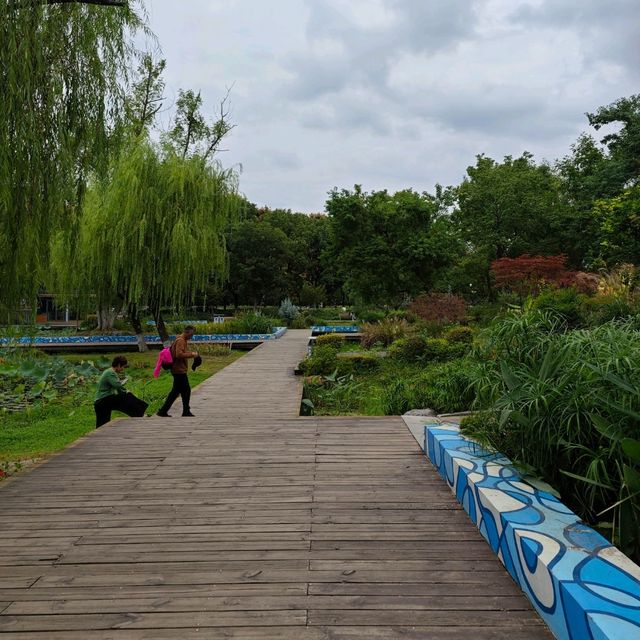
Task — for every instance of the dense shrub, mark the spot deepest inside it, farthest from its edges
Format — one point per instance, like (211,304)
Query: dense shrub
(443,308)
(439,350)
(567,303)
(445,387)
(409,349)
(302,321)
(330,340)
(323,361)
(459,334)
(606,307)
(384,332)
(369,315)
(569,407)
(357,363)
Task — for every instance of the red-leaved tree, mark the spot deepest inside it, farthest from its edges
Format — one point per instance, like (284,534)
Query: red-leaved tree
(528,274)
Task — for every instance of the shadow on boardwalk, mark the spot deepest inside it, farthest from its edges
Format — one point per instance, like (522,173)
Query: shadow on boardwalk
(248,522)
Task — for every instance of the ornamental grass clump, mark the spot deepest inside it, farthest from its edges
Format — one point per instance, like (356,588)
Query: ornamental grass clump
(568,409)
(384,332)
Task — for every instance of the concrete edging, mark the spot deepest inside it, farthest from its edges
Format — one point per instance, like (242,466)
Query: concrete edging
(582,586)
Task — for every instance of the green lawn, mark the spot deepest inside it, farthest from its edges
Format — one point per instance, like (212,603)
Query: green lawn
(42,430)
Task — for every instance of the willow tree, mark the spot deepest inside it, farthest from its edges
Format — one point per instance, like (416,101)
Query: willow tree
(62,66)
(153,232)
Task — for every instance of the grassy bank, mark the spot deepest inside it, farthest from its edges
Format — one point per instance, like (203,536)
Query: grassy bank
(50,426)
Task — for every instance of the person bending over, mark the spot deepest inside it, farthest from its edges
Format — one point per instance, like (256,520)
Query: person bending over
(180,354)
(110,395)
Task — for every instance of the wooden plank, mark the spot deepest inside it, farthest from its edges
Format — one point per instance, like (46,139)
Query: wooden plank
(269,603)
(248,522)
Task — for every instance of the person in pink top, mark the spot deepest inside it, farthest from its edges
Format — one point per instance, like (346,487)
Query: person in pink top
(181,387)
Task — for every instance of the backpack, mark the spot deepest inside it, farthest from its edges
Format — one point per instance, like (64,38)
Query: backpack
(164,361)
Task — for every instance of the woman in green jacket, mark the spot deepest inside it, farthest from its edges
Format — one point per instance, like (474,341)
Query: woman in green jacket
(111,392)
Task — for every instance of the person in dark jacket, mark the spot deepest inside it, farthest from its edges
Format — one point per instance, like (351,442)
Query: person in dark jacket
(181,387)
(110,392)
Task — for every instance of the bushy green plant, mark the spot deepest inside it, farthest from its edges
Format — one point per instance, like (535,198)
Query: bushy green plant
(602,308)
(444,387)
(384,332)
(409,349)
(330,340)
(369,315)
(568,402)
(565,302)
(439,350)
(459,334)
(302,321)
(323,361)
(357,362)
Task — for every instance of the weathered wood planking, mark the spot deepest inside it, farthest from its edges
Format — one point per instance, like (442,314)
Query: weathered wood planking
(248,522)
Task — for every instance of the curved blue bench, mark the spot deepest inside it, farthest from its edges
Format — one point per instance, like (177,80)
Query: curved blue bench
(580,584)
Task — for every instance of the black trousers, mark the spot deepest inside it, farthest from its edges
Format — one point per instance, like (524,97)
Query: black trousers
(182,388)
(105,406)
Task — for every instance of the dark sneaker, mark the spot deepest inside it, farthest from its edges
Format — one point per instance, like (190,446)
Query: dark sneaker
(163,414)
(188,415)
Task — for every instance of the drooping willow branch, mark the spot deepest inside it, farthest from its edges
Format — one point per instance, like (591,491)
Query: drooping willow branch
(106,3)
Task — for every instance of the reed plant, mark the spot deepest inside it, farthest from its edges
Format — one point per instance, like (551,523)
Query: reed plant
(567,407)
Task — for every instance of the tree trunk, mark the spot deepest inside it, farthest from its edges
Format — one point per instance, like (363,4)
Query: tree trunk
(134,318)
(106,318)
(161,327)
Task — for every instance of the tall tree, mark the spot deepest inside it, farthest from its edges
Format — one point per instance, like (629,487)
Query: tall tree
(510,208)
(62,66)
(385,244)
(153,231)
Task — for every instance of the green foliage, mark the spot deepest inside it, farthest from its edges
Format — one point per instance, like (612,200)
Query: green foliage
(440,350)
(446,387)
(384,332)
(369,315)
(323,361)
(62,70)
(152,232)
(334,340)
(349,363)
(388,246)
(409,349)
(244,323)
(565,302)
(508,209)
(459,334)
(566,401)
(619,223)
(27,381)
(606,307)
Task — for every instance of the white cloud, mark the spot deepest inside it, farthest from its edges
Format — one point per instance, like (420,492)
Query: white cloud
(394,93)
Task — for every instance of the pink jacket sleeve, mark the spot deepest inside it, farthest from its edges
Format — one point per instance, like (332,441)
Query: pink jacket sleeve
(163,356)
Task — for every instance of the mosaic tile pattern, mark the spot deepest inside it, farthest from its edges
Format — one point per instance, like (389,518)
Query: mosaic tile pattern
(150,339)
(582,586)
(318,329)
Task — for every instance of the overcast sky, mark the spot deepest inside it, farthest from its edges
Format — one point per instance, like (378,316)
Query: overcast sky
(392,94)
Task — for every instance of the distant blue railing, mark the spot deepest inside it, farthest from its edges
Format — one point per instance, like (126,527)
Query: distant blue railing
(318,329)
(150,339)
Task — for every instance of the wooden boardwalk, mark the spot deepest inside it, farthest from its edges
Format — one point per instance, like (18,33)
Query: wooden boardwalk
(248,522)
